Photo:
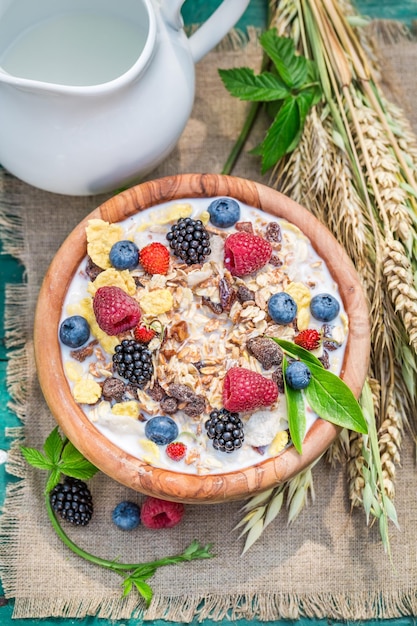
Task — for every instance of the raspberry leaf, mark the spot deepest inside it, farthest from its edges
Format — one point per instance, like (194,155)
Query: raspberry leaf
(53,445)
(291,67)
(281,134)
(74,464)
(297,421)
(37,459)
(53,479)
(144,589)
(333,401)
(243,83)
(289,90)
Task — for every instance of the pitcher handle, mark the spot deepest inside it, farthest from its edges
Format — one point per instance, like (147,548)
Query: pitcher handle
(214,28)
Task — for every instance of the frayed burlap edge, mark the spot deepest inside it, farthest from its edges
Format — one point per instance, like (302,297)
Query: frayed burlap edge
(264,607)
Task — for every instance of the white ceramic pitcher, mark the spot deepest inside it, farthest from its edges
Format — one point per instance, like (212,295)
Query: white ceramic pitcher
(96,93)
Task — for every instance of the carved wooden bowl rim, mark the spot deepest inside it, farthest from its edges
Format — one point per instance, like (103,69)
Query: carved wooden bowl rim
(120,465)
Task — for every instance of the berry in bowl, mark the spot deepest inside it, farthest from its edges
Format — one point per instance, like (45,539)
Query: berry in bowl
(209,338)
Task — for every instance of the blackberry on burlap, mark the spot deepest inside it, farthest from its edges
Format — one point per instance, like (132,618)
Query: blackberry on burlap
(225,429)
(189,240)
(73,501)
(133,362)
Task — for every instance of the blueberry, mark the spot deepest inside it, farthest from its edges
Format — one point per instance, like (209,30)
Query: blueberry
(126,515)
(124,255)
(74,331)
(224,212)
(161,430)
(297,375)
(324,307)
(282,308)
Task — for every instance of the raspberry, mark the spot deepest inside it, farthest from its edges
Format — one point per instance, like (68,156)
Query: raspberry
(157,513)
(308,339)
(176,450)
(115,310)
(245,390)
(144,334)
(154,258)
(245,253)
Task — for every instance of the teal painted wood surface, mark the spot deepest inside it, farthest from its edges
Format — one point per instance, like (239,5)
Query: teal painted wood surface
(194,11)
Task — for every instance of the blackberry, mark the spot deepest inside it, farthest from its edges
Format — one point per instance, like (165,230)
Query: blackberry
(189,240)
(133,362)
(225,429)
(72,500)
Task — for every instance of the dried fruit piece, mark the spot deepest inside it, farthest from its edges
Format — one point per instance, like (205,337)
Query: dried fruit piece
(265,350)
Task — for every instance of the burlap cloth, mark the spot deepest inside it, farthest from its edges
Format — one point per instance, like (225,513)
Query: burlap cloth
(326,564)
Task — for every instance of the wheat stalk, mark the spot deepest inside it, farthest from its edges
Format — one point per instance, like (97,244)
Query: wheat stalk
(354,169)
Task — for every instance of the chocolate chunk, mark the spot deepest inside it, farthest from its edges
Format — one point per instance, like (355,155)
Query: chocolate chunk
(92,269)
(169,405)
(244,294)
(265,350)
(113,389)
(273,232)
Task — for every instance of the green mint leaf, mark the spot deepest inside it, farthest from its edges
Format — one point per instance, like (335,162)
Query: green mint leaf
(333,401)
(245,85)
(53,446)
(281,134)
(297,352)
(37,459)
(292,68)
(74,464)
(297,421)
(145,590)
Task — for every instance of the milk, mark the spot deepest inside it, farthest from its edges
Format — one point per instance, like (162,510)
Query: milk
(302,264)
(75,49)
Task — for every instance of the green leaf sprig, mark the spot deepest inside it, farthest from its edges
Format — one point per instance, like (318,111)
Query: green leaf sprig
(61,457)
(289,91)
(326,394)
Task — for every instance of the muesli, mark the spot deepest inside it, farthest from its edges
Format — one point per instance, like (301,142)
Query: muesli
(167,327)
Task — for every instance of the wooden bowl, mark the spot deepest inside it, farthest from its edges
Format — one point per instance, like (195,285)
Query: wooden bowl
(118,464)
